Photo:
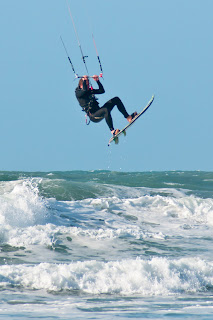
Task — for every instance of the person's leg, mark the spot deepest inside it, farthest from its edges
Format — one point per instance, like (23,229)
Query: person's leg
(105,112)
(116,102)
(102,113)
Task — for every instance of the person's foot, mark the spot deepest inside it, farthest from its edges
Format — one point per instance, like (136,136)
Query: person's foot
(114,132)
(131,117)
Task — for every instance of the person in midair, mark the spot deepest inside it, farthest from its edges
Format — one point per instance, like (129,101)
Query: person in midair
(87,100)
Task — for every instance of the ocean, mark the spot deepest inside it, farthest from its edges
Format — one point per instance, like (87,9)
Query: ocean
(106,245)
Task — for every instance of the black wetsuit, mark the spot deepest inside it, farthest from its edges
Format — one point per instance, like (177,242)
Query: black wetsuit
(88,102)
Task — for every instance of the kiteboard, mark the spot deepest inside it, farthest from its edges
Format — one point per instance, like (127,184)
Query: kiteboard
(115,138)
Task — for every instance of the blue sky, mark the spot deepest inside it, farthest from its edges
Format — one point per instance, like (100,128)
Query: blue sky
(146,47)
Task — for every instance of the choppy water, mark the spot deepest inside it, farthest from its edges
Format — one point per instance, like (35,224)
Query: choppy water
(106,245)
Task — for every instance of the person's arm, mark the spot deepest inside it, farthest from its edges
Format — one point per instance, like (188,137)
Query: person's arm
(100,89)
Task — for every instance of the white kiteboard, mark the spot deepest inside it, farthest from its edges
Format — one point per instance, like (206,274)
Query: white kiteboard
(123,131)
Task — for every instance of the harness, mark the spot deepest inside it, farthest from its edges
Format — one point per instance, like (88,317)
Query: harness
(87,107)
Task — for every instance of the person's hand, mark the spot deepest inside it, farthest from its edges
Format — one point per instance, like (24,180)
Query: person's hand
(95,77)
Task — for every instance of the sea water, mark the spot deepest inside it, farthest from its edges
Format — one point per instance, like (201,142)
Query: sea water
(106,245)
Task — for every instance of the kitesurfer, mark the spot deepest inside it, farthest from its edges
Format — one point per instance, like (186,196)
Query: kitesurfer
(87,100)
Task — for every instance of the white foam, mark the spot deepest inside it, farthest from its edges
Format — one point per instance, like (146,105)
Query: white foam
(21,205)
(27,219)
(50,235)
(158,276)
(176,205)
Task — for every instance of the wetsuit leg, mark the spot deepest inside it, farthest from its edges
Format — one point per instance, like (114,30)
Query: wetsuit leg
(105,112)
(116,102)
(100,115)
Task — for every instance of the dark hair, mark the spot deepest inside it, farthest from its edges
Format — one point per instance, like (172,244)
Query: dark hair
(80,84)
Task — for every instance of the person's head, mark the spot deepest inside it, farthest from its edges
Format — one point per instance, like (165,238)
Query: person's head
(80,84)
(84,78)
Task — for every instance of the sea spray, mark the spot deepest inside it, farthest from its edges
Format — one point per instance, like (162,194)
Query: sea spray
(157,276)
(103,243)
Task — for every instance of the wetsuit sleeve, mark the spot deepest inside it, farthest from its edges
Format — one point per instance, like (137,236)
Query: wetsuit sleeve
(100,90)
(80,93)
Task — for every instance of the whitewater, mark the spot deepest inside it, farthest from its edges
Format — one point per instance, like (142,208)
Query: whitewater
(106,245)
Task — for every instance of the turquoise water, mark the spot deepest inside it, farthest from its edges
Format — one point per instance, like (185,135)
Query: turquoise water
(106,245)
